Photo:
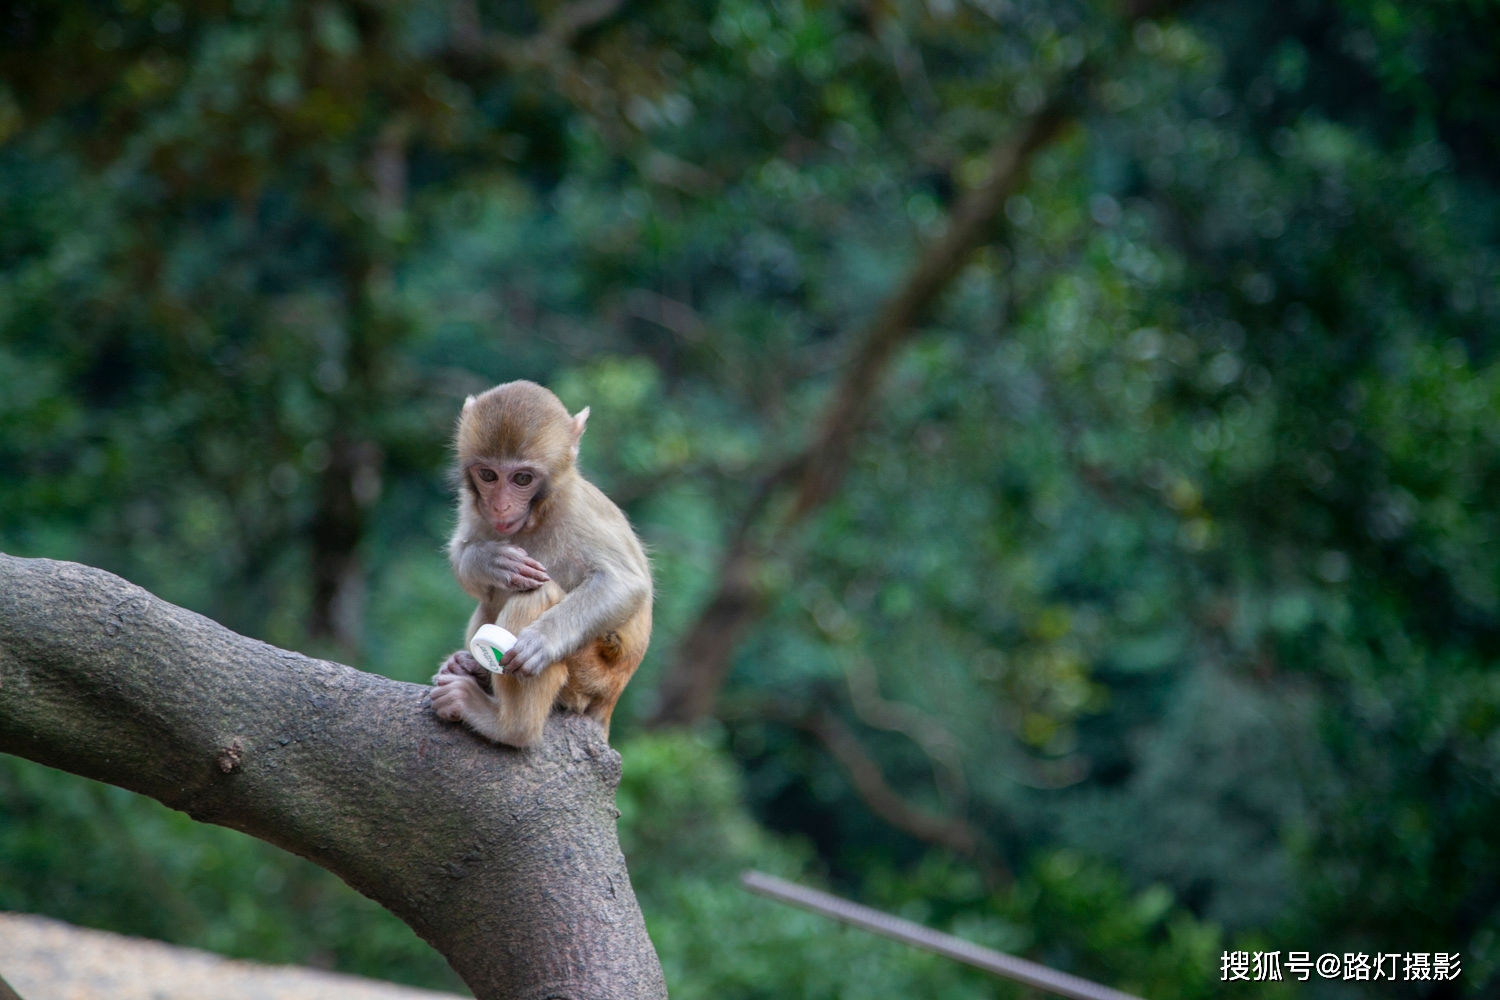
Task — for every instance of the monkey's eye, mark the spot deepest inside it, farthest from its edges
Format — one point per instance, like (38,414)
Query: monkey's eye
(488,475)
(521,479)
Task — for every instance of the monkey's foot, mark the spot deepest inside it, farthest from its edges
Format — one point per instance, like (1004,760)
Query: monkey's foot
(454,694)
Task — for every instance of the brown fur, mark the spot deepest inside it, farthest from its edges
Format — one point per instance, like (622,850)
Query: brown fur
(514,420)
(595,610)
(589,682)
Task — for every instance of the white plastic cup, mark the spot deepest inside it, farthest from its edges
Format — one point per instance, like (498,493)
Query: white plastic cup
(489,644)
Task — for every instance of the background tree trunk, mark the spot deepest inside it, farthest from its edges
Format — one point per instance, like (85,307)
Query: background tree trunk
(690,688)
(506,861)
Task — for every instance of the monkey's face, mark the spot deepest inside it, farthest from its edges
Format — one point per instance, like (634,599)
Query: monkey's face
(506,493)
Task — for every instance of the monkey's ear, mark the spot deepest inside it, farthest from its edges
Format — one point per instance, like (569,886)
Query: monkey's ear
(468,403)
(580,419)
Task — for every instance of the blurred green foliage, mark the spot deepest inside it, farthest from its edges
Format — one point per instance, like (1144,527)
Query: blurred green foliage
(103,857)
(1170,564)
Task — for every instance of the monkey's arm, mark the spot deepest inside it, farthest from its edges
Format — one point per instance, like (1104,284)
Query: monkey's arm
(482,565)
(604,600)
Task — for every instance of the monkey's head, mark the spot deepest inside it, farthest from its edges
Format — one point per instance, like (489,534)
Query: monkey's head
(516,446)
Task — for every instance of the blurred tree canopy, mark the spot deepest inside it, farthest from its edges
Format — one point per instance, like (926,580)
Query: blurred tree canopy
(1149,608)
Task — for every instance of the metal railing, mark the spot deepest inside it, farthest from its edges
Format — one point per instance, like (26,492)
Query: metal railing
(998,963)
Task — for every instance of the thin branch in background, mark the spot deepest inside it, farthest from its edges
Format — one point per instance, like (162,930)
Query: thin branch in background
(470,42)
(672,171)
(388,168)
(874,710)
(910,70)
(1046,775)
(667,313)
(465,33)
(869,781)
(573,19)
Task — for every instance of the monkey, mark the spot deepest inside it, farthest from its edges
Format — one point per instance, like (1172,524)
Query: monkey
(551,559)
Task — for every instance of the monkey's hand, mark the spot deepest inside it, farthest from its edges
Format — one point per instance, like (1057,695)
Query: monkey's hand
(532,653)
(455,696)
(510,567)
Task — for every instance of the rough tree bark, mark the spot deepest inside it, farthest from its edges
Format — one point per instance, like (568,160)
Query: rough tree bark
(506,861)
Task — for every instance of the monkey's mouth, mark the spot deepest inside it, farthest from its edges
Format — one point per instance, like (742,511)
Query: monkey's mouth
(510,527)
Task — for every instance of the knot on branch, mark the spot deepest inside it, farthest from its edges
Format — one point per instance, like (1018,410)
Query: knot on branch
(229,757)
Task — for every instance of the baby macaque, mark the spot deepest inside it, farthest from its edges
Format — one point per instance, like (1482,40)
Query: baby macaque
(550,558)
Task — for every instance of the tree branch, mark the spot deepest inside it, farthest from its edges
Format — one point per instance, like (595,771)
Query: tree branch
(869,781)
(495,51)
(819,470)
(571,20)
(506,861)
(692,684)
(873,709)
(868,778)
